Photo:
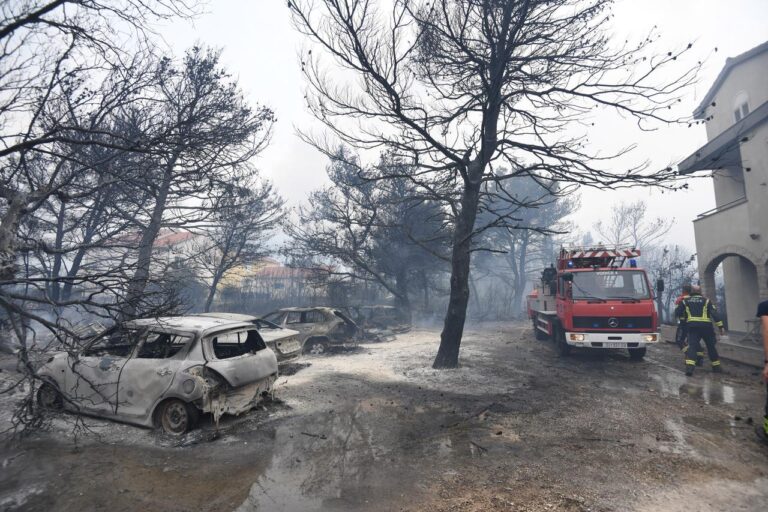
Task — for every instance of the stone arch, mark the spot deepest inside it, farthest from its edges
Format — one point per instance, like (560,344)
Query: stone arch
(762,276)
(741,276)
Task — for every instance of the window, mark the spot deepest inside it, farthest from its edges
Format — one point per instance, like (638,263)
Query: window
(161,345)
(275,318)
(740,106)
(237,343)
(294,317)
(118,343)
(313,317)
(610,284)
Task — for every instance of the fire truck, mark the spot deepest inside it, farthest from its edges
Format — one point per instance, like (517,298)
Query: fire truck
(596,297)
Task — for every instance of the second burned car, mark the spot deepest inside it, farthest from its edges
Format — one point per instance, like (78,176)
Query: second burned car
(285,343)
(320,328)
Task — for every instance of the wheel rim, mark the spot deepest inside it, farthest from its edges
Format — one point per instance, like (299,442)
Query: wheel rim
(316,348)
(175,418)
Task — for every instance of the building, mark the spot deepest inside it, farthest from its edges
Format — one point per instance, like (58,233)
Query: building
(735,233)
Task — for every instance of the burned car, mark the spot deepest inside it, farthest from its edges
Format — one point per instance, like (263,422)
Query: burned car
(163,372)
(320,328)
(380,319)
(283,342)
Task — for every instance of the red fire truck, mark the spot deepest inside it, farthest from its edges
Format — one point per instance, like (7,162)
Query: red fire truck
(596,297)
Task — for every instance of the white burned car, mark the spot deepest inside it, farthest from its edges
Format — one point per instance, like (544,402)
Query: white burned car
(163,372)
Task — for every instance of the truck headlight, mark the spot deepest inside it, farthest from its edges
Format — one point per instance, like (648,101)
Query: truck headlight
(649,337)
(577,337)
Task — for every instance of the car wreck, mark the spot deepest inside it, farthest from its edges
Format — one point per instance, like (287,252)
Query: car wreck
(285,343)
(162,372)
(320,328)
(380,322)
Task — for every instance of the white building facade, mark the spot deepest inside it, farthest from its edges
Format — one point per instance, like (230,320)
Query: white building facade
(735,233)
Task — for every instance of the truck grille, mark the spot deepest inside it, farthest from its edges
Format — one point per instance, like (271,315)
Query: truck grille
(602,322)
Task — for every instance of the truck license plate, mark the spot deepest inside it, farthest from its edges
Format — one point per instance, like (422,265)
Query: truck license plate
(614,345)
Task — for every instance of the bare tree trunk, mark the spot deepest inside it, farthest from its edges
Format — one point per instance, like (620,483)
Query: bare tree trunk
(453,327)
(212,291)
(144,259)
(402,300)
(9,226)
(520,281)
(54,288)
(94,217)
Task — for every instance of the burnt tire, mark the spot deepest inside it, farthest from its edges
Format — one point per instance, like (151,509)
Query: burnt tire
(637,354)
(49,397)
(176,417)
(316,347)
(563,348)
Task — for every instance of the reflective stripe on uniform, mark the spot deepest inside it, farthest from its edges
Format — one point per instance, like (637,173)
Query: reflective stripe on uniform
(765,424)
(700,354)
(704,313)
(690,362)
(716,363)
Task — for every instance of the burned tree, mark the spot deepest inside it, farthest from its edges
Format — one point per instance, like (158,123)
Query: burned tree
(208,134)
(458,86)
(238,234)
(517,230)
(382,231)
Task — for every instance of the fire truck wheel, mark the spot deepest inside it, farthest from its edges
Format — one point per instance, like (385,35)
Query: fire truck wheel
(563,348)
(637,354)
(541,336)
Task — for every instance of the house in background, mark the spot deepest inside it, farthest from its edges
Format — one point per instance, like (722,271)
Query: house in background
(735,233)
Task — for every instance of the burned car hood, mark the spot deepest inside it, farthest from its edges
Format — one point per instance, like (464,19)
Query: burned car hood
(269,335)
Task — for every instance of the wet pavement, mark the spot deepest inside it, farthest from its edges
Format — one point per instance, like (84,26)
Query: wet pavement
(515,428)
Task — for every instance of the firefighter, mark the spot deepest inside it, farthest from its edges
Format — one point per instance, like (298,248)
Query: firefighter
(681,335)
(698,312)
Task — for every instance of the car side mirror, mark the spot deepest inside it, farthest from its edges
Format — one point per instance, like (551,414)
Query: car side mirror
(659,285)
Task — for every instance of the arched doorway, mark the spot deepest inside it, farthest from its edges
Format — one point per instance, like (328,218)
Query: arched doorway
(740,278)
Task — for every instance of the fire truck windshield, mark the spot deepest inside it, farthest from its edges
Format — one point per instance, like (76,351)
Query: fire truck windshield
(610,284)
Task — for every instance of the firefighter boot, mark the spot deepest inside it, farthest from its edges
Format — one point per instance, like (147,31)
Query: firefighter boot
(690,365)
(716,366)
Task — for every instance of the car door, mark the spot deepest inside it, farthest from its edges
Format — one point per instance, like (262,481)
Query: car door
(93,374)
(299,321)
(152,370)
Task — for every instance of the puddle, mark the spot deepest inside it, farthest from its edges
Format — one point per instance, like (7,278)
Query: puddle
(352,460)
(707,389)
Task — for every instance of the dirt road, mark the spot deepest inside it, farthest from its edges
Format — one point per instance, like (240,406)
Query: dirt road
(515,428)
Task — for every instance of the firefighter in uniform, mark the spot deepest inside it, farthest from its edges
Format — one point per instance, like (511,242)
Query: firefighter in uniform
(698,313)
(681,335)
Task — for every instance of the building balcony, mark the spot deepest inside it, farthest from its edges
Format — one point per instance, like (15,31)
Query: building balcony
(723,227)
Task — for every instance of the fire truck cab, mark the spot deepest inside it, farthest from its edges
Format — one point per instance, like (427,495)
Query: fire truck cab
(595,298)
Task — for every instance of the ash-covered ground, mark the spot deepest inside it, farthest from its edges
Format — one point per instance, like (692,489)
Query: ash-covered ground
(515,428)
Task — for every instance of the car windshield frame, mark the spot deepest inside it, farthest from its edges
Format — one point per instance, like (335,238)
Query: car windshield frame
(596,285)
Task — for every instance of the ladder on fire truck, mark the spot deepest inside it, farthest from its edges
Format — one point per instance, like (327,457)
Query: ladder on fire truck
(595,256)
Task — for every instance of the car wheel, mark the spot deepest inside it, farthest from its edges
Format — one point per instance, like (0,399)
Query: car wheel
(637,354)
(49,397)
(563,348)
(177,417)
(316,348)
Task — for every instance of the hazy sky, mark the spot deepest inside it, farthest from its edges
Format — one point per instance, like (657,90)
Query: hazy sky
(260,47)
